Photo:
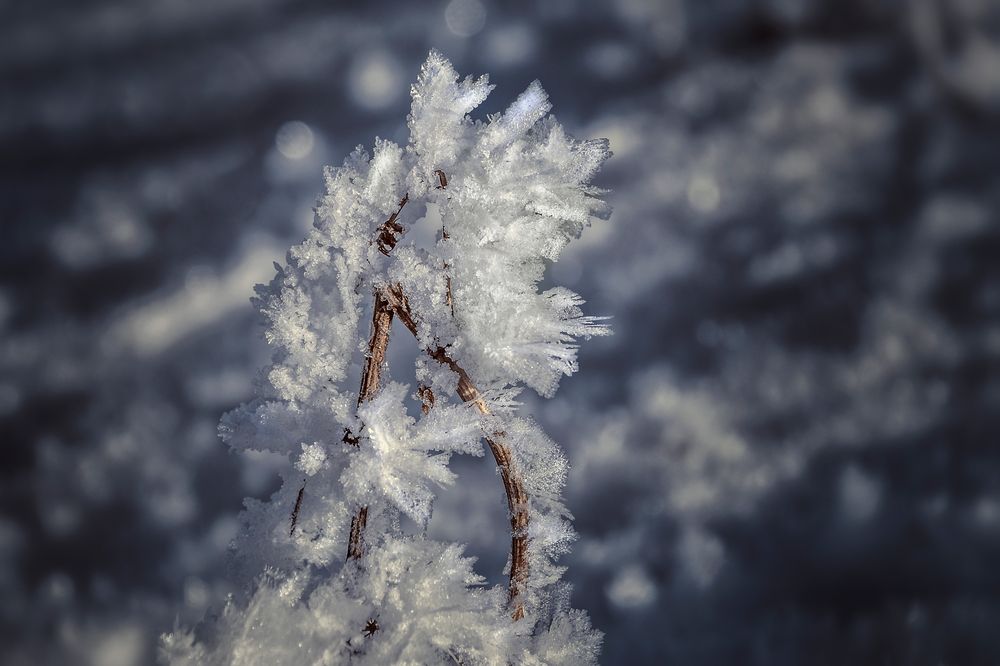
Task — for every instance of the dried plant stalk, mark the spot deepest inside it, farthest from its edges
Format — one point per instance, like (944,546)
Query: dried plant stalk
(371,375)
(371,379)
(295,511)
(393,301)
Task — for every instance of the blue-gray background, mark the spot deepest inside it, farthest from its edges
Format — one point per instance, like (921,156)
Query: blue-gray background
(787,454)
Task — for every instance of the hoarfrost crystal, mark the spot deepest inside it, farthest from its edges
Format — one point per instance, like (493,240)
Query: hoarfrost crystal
(504,197)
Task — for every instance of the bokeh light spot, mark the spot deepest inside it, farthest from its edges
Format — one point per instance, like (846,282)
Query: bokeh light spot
(375,80)
(510,45)
(703,193)
(294,140)
(465,18)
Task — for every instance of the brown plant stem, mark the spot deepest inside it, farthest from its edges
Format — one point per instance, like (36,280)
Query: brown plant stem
(393,301)
(517,497)
(356,545)
(371,377)
(295,511)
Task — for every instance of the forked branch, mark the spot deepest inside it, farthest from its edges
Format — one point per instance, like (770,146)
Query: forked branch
(392,301)
(517,497)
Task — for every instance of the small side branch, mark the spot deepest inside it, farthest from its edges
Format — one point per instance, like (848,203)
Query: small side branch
(449,300)
(391,230)
(517,497)
(295,511)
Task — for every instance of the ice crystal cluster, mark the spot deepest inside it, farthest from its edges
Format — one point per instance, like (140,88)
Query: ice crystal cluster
(452,233)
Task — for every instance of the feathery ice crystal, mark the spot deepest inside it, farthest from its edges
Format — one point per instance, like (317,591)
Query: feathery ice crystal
(497,199)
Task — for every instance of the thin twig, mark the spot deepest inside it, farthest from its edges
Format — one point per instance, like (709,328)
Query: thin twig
(371,378)
(449,300)
(517,497)
(295,511)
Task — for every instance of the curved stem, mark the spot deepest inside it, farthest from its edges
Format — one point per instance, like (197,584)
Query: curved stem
(517,497)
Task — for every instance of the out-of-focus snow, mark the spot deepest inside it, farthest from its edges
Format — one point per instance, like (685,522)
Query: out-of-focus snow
(203,300)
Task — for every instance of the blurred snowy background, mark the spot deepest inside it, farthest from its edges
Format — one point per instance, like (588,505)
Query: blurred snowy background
(789,453)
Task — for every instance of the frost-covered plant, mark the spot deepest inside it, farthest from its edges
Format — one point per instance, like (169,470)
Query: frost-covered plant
(503,197)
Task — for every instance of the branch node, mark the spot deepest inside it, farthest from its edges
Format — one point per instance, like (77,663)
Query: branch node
(426,395)
(391,230)
(503,454)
